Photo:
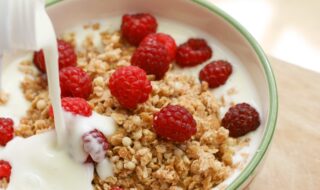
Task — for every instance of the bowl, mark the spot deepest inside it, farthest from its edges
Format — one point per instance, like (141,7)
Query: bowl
(227,33)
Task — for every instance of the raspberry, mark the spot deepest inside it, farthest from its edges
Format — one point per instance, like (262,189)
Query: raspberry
(77,106)
(193,52)
(67,56)
(163,39)
(137,26)
(174,123)
(130,86)
(95,144)
(5,170)
(153,58)
(6,130)
(75,82)
(241,119)
(216,73)
(88,160)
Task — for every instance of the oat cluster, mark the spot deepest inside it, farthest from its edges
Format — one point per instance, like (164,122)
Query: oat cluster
(141,160)
(4,97)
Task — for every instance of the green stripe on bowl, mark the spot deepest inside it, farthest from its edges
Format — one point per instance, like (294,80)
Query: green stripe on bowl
(273,107)
(51,2)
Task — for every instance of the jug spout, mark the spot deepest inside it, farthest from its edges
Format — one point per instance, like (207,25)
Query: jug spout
(18,24)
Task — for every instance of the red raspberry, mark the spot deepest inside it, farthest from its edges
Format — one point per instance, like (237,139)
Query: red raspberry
(137,26)
(88,160)
(6,130)
(130,86)
(75,82)
(216,73)
(163,39)
(5,170)
(67,56)
(95,144)
(78,106)
(193,52)
(241,119)
(174,123)
(153,58)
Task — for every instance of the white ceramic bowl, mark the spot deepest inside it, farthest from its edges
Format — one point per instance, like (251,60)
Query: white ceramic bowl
(208,19)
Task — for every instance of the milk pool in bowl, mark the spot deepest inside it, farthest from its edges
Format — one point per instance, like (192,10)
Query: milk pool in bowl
(241,80)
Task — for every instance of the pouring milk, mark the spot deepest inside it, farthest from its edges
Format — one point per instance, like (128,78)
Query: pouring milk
(25,25)
(42,161)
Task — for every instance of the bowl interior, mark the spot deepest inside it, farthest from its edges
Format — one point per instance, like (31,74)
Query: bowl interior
(228,34)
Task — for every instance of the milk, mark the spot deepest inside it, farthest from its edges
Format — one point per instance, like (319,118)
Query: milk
(52,160)
(38,164)
(13,78)
(47,40)
(42,35)
(78,125)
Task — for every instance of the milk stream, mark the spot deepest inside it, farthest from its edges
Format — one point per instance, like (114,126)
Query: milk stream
(48,42)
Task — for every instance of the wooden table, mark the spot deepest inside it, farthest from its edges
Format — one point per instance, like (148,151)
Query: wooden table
(293,161)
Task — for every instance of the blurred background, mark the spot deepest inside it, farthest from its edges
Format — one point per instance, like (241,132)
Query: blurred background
(288,31)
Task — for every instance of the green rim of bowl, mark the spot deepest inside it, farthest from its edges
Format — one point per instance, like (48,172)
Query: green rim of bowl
(273,98)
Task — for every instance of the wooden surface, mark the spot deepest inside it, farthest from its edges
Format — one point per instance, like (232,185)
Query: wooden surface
(293,161)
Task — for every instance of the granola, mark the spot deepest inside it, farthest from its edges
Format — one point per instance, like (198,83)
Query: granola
(141,161)
(4,97)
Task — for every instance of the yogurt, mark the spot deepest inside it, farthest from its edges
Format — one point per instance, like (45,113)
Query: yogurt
(78,125)
(37,164)
(13,77)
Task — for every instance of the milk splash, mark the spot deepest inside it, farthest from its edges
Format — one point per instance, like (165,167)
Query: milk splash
(37,164)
